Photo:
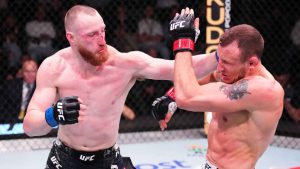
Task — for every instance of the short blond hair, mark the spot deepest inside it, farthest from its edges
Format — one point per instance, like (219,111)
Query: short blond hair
(73,12)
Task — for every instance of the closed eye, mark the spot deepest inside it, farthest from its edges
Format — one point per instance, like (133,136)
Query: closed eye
(224,61)
(91,34)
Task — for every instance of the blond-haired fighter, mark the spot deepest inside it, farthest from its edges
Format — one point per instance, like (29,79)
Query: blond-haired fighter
(88,83)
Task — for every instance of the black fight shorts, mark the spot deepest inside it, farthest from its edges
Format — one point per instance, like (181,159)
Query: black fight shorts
(64,157)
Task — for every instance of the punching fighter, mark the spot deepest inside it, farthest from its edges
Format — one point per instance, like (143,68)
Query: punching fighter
(82,89)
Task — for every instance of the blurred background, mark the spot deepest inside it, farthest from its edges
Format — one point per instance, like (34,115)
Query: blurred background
(32,30)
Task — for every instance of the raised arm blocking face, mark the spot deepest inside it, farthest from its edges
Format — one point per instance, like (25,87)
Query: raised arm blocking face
(239,78)
(240,103)
(243,95)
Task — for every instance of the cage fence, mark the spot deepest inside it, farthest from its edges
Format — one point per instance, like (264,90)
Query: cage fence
(35,29)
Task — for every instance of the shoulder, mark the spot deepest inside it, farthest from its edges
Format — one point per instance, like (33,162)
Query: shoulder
(136,61)
(265,91)
(265,86)
(112,50)
(133,58)
(56,63)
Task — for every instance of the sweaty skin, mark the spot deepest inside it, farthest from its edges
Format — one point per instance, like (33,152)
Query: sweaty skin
(239,138)
(247,103)
(101,77)
(245,113)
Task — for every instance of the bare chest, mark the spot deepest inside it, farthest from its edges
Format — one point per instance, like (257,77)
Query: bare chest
(226,125)
(104,85)
(229,119)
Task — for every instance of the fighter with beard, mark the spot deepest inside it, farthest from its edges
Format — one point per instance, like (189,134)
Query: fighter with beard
(82,90)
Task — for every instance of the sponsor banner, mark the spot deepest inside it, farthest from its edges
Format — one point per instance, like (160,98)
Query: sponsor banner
(218,20)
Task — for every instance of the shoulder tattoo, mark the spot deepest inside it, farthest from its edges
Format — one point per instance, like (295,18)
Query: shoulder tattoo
(235,91)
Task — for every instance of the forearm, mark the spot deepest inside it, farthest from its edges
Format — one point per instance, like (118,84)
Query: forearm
(185,80)
(35,124)
(204,64)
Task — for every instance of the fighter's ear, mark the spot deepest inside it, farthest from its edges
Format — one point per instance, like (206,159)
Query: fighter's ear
(70,37)
(253,61)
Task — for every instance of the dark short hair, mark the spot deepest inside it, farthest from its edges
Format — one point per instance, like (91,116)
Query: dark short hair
(248,39)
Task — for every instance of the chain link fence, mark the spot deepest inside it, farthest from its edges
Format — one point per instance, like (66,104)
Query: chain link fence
(34,29)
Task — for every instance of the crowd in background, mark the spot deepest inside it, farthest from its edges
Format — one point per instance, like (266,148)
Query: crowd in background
(34,30)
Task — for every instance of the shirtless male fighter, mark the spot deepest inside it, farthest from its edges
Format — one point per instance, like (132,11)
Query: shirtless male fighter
(244,97)
(82,90)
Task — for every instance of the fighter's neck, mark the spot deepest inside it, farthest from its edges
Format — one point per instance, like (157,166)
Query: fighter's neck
(260,70)
(79,63)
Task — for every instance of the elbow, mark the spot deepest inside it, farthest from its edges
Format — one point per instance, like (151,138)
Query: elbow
(182,104)
(182,101)
(27,129)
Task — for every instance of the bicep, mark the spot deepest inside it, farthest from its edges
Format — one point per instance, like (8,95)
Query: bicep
(152,68)
(42,99)
(218,97)
(45,92)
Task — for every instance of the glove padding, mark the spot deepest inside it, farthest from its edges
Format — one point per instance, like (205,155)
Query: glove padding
(182,31)
(161,106)
(65,111)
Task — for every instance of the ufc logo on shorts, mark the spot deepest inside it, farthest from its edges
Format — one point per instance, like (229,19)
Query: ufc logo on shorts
(176,24)
(61,112)
(55,162)
(87,158)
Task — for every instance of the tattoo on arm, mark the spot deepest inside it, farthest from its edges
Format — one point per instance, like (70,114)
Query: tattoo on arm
(235,91)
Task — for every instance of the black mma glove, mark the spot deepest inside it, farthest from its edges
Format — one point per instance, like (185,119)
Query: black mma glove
(65,111)
(182,31)
(162,105)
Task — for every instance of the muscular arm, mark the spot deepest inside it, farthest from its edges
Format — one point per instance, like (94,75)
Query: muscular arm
(43,97)
(218,97)
(161,69)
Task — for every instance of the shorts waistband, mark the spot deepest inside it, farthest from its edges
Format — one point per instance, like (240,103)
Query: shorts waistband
(87,156)
(208,165)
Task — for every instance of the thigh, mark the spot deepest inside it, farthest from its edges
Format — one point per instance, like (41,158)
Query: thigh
(52,161)
(114,162)
(127,163)
(58,159)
